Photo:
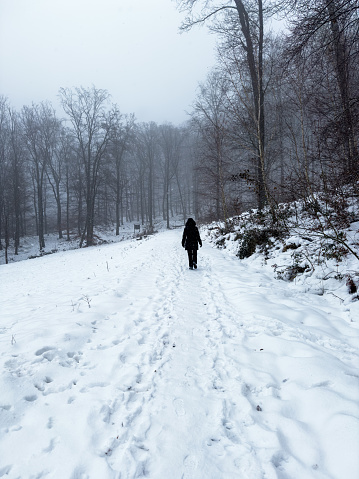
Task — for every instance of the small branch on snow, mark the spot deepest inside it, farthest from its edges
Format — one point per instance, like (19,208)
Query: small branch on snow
(87,299)
(341,300)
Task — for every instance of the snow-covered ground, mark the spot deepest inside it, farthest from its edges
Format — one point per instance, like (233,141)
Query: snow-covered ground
(29,245)
(119,362)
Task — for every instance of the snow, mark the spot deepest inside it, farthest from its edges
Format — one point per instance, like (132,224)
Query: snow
(119,362)
(29,245)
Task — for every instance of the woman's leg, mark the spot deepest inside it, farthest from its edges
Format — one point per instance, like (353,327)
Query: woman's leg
(195,258)
(190,258)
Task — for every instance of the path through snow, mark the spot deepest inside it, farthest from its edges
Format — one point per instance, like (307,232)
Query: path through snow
(127,365)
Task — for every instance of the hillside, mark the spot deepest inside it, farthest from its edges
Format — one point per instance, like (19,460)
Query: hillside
(119,362)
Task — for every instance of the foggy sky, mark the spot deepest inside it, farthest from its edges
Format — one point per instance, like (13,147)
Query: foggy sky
(132,48)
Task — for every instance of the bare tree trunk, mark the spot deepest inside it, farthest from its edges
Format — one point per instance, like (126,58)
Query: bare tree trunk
(7,239)
(67,206)
(59,211)
(40,211)
(92,127)
(256,74)
(167,208)
(17,207)
(118,199)
(150,195)
(184,211)
(342,74)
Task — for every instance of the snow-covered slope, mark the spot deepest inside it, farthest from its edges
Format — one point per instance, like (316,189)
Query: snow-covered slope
(119,362)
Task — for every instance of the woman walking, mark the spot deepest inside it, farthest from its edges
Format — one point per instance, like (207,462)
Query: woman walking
(190,241)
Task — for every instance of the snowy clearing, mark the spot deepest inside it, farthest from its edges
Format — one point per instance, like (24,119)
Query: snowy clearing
(119,362)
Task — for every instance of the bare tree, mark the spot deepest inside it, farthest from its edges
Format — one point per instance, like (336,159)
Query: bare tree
(247,33)
(66,165)
(171,140)
(40,127)
(54,165)
(328,31)
(91,125)
(5,208)
(147,151)
(209,119)
(17,161)
(120,139)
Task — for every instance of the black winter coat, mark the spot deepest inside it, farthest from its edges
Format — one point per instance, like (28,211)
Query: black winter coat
(191,237)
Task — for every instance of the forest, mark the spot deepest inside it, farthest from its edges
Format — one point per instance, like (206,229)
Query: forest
(276,121)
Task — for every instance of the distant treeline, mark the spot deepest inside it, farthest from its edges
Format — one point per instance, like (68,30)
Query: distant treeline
(276,120)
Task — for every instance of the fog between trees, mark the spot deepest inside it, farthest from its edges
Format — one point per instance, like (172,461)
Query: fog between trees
(276,120)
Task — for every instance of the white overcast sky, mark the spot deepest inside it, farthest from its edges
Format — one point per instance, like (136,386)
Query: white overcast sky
(132,48)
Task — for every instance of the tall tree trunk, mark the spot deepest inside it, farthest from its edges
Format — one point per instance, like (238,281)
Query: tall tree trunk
(184,211)
(59,211)
(142,201)
(118,199)
(7,238)
(17,205)
(167,208)
(67,205)
(342,75)
(90,212)
(40,211)
(150,196)
(256,74)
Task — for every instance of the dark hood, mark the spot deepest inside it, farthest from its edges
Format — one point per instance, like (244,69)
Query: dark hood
(190,223)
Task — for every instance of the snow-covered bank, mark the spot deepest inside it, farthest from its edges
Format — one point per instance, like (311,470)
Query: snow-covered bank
(29,245)
(119,362)
(311,260)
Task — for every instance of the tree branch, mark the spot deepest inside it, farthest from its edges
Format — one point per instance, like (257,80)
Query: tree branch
(189,22)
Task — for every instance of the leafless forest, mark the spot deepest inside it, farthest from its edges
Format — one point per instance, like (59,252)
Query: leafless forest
(275,121)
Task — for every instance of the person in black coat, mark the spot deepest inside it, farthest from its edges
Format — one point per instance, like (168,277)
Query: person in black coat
(190,241)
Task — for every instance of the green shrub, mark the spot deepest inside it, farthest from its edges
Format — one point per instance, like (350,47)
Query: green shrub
(248,245)
(256,237)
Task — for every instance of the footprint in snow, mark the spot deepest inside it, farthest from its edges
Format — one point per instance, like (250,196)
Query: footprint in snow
(278,458)
(50,447)
(179,407)
(190,465)
(216,446)
(15,429)
(323,384)
(5,407)
(94,385)
(71,354)
(43,350)
(30,398)
(5,470)
(39,387)
(49,355)
(79,473)
(102,347)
